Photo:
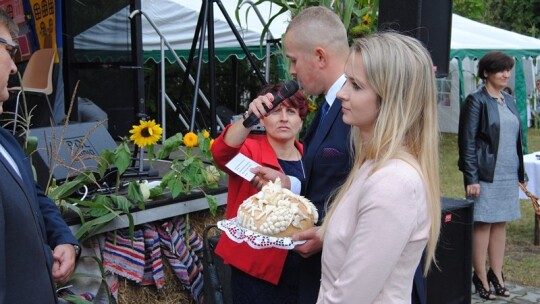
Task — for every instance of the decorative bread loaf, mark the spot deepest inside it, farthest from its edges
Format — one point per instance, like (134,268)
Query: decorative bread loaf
(275,211)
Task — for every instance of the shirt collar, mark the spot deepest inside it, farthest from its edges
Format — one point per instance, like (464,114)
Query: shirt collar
(332,92)
(9,159)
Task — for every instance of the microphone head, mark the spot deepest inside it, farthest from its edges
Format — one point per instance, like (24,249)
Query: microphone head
(289,88)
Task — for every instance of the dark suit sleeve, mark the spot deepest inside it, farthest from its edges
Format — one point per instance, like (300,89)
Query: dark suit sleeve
(2,254)
(57,230)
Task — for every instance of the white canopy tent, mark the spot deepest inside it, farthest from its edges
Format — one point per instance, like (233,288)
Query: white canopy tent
(168,30)
(470,41)
(177,20)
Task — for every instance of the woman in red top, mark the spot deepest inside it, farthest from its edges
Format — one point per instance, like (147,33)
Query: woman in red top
(262,275)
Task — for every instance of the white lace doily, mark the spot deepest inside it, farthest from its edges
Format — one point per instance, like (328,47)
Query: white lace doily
(254,239)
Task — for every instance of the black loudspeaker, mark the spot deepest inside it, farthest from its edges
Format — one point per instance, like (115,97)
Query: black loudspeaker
(451,282)
(430,21)
(68,150)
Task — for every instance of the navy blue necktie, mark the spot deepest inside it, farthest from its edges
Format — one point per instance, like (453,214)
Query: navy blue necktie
(324,111)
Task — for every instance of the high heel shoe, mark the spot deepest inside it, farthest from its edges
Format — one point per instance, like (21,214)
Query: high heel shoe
(499,289)
(479,287)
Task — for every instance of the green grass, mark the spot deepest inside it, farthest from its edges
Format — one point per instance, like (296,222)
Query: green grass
(522,261)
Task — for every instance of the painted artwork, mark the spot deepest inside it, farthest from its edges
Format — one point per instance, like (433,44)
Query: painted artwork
(14,8)
(43,12)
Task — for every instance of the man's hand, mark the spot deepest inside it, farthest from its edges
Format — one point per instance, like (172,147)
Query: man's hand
(64,262)
(312,245)
(263,175)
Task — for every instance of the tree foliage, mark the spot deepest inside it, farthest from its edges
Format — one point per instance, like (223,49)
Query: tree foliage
(519,16)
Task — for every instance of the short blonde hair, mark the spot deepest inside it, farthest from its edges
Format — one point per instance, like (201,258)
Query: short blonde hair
(319,26)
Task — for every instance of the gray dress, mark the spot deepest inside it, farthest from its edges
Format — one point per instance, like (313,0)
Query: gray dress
(499,201)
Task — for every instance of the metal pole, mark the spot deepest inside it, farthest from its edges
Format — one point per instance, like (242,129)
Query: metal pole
(163,105)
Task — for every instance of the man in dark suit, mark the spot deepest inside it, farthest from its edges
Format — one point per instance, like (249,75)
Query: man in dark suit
(37,248)
(317,47)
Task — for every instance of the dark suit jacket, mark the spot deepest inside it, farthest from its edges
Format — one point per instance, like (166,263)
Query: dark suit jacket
(30,227)
(327,162)
(327,159)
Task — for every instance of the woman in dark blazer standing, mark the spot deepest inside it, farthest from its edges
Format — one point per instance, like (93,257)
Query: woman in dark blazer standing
(491,159)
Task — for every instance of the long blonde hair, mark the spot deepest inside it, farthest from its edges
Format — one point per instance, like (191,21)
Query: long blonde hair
(400,71)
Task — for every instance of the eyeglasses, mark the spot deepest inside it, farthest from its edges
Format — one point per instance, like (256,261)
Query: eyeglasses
(11,47)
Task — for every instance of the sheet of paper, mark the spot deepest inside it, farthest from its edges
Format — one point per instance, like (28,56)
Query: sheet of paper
(241,164)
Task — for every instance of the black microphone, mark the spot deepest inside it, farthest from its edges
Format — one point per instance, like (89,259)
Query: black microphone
(287,90)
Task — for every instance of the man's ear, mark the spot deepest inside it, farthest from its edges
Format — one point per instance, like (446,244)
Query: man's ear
(322,56)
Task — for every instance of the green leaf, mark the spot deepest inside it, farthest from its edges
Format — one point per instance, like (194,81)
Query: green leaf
(151,153)
(31,145)
(76,209)
(156,191)
(167,177)
(169,145)
(188,161)
(134,192)
(75,299)
(176,187)
(121,202)
(212,203)
(105,160)
(88,226)
(68,188)
(131,226)
(122,157)
(99,206)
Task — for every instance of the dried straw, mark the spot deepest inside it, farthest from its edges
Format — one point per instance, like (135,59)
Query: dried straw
(172,292)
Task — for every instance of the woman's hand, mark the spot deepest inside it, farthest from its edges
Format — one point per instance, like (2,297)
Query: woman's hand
(473,190)
(257,106)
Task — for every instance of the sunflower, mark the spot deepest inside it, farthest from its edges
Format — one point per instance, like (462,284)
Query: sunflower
(312,107)
(205,134)
(190,140)
(146,133)
(366,20)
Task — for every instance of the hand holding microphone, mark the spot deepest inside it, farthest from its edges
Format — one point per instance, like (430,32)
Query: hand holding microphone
(289,88)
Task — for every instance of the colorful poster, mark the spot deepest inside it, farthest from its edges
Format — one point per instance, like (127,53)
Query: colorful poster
(43,12)
(14,8)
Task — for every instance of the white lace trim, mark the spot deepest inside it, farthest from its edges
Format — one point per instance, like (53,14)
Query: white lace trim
(255,240)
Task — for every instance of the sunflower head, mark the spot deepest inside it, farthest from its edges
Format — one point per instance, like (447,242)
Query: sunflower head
(191,140)
(206,134)
(146,133)
(312,107)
